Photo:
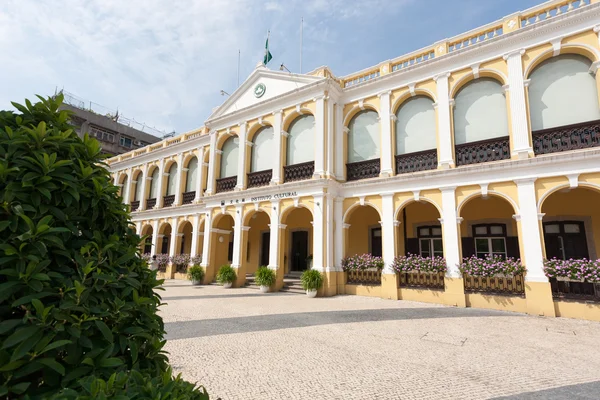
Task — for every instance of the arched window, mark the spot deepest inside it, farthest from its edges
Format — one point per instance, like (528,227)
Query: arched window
(138,187)
(415,126)
(562,92)
(480,112)
(192,175)
(229,158)
(262,151)
(363,138)
(154,184)
(301,140)
(172,179)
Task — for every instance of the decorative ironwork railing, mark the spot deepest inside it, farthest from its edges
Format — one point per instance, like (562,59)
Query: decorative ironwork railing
(363,169)
(569,290)
(564,138)
(298,172)
(188,197)
(510,285)
(483,151)
(368,277)
(226,184)
(135,205)
(150,203)
(432,280)
(419,161)
(168,200)
(260,178)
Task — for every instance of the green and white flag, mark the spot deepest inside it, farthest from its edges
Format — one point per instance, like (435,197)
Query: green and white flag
(268,55)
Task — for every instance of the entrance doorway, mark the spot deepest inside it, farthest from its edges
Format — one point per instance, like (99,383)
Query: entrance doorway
(299,250)
(376,243)
(565,240)
(264,248)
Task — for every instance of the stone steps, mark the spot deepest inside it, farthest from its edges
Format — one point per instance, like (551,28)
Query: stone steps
(291,284)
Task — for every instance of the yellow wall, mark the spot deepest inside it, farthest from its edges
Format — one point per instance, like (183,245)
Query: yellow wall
(361,219)
(296,220)
(492,207)
(220,250)
(258,223)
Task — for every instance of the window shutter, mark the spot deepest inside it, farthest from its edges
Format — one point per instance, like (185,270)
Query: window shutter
(512,247)
(412,246)
(468,247)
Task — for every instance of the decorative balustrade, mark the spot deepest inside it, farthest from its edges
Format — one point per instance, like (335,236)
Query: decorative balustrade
(150,203)
(226,184)
(481,35)
(547,11)
(188,197)
(260,178)
(413,59)
(298,172)
(363,169)
(564,138)
(419,161)
(361,77)
(509,286)
(168,200)
(135,205)
(367,277)
(422,280)
(483,151)
(580,291)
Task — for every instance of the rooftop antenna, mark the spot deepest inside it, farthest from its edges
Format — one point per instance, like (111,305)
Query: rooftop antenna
(223,93)
(238,75)
(301,31)
(282,67)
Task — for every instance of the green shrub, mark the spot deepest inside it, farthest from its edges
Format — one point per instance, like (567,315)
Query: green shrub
(226,274)
(311,279)
(196,273)
(264,276)
(77,301)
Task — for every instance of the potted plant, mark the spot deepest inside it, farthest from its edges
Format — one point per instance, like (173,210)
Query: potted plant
(181,262)
(196,274)
(573,270)
(311,280)
(226,276)
(491,266)
(265,277)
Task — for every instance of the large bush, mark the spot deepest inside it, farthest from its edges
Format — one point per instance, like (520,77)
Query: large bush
(77,302)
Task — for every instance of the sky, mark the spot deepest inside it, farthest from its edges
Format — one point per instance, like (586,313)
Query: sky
(164,63)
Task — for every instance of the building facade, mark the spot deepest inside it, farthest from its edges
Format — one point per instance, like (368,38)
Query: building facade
(482,144)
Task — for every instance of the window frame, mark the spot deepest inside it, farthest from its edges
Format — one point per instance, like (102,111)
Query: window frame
(490,237)
(430,239)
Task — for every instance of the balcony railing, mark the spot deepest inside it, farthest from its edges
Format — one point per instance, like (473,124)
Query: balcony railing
(363,169)
(188,197)
(150,203)
(226,184)
(421,280)
(580,291)
(506,286)
(483,151)
(168,200)
(135,205)
(368,277)
(260,178)
(298,172)
(419,161)
(564,138)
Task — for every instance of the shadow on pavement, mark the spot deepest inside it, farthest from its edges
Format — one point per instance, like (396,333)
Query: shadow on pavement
(261,323)
(583,391)
(233,295)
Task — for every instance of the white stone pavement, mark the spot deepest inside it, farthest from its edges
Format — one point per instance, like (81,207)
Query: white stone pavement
(241,344)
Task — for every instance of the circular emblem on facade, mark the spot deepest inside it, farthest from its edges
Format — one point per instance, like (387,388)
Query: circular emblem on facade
(259,90)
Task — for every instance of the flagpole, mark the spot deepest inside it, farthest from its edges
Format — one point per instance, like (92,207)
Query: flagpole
(238,71)
(301,32)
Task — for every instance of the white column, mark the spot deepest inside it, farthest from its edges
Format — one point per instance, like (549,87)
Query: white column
(173,242)
(145,181)
(206,239)
(178,189)
(329,134)
(277,149)
(138,228)
(319,138)
(338,215)
(127,191)
(450,231)
(530,231)
(154,249)
(161,179)
(195,235)
(199,173)
(386,134)
(445,152)
(388,232)
(318,234)
(116,178)
(212,157)
(340,168)
(329,226)
(274,237)
(237,237)
(243,148)
(518,106)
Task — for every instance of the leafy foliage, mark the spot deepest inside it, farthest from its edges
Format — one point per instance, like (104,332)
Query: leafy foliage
(77,301)
(417,263)
(362,262)
(226,274)
(195,273)
(491,266)
(264,276)
(311,279)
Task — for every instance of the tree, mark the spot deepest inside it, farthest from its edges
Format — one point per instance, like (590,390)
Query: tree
(78,308)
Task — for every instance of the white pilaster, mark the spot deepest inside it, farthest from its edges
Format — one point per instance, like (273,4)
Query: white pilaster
(212,159)
(199,173)
(206,239)
(338,215)
(320,137)
(388,232)
(195,235)
(127,197)
(242,150)
(329,226)
(450,231)
(237,237)
(161,179)
(518,106)
(318,234)
(530,231)
(277,149)
(274,237)
(144,185)
(446,158)
(116,179)
(138,228)
(154,249)
(178,179)
(386,134)
(329,133)
(339,142)
(173,241)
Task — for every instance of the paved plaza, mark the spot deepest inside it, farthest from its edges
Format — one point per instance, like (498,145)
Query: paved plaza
(241,344)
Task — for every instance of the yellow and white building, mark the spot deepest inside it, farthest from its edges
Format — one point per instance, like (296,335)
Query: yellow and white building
(488,142)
